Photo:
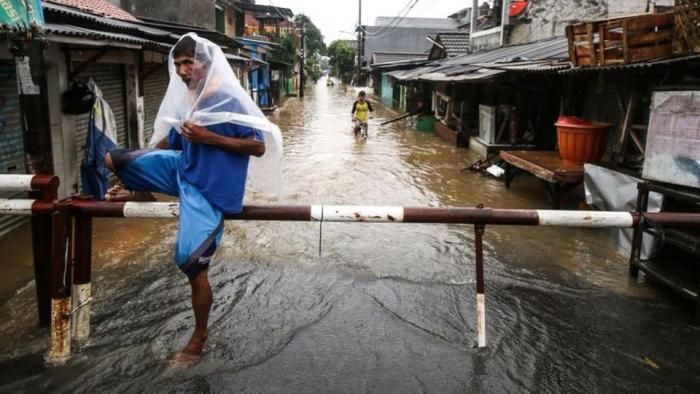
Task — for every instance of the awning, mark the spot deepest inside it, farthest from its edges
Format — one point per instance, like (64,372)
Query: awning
(540,56)
(83,36)
(236,58)
(397,74)
(632,66)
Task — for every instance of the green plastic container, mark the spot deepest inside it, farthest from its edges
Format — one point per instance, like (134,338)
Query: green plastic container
(426,123)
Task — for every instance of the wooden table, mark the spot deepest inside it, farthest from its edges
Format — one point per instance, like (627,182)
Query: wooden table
(556,174)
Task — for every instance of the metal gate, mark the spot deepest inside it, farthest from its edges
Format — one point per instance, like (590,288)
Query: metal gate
(155,84)
(110,79)
(11,143)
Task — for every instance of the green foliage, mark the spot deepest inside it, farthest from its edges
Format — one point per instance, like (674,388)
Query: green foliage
(289,53)
(314,37)
(342,59)
(313,69)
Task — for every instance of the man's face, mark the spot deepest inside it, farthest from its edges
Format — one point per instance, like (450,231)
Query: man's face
(361,98)
(184,65)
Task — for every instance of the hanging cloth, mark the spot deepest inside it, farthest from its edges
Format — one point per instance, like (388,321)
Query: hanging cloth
(101,138)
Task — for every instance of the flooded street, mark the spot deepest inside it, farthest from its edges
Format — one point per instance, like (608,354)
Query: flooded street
(384,308)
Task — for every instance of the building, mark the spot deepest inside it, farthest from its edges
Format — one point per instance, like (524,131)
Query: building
(504,22)
(406,36)
(124,55)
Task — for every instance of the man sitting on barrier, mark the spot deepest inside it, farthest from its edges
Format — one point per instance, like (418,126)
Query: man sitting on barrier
(205,132)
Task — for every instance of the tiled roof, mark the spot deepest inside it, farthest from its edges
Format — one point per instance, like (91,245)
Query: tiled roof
(97,7)
(455,43)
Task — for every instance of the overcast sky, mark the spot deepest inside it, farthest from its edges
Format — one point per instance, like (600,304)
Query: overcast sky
(337,17)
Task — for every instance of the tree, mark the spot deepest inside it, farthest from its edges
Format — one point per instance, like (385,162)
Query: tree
(342,59)
(289,49)
(314,37)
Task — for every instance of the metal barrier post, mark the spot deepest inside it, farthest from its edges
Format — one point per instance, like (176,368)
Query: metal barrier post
(80,329)
(480,300)
(59,351)
(41,244)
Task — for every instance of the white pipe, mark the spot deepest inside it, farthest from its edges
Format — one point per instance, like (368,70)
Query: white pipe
(481,320)
(350,213)
(19,207)
(595,219)
(151,209)
(80,327)
(59,351)
(16,182)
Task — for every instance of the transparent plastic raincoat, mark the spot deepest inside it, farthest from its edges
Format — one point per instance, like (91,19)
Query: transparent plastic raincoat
(212,75)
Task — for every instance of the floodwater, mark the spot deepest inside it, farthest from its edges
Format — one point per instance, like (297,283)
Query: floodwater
(384,308)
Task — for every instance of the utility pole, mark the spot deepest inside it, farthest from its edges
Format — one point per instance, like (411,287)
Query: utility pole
(303,60)
(360,46)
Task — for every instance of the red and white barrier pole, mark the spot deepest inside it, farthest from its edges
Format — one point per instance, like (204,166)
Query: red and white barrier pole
(85,210)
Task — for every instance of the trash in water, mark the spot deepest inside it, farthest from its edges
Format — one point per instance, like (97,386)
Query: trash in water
(496,171)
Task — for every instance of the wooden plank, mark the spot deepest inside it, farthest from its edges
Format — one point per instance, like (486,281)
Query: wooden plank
(625,127)
(585,62)
(649,21)
(651,52)
(581,28)
(603,38)
(572,49)
(585,50)
(625,46)
(650,37)
(589,28)
(546,165)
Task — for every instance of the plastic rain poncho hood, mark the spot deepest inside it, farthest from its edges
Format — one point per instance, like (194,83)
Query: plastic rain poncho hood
(213,75)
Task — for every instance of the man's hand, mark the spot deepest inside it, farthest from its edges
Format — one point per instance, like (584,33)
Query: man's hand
(196,134)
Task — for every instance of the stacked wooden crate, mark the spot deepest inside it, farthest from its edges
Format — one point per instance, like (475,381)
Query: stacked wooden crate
(686,38)
(622,40)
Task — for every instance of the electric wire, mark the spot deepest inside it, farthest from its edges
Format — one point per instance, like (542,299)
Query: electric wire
(394,22)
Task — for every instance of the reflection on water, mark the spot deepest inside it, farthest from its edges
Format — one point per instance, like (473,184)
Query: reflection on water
(385,308)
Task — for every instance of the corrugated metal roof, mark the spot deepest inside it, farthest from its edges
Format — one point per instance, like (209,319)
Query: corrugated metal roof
(418,23)
(391,57)
(648,64)
(53,13)
(535,56)
(81,32)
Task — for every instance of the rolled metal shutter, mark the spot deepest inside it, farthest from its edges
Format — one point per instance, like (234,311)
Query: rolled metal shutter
(110,79)
(154,86)
(11,142)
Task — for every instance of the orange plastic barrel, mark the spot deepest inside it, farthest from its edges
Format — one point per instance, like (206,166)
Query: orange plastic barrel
(582,143)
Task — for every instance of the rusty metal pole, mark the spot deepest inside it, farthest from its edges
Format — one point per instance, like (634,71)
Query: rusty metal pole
(82,297)
(59,350)
(41,244)
(480,300)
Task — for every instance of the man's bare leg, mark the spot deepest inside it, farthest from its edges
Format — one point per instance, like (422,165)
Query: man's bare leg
(202,299)
(121,193)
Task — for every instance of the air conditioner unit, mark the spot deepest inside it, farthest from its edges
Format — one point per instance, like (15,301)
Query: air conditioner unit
(487,124)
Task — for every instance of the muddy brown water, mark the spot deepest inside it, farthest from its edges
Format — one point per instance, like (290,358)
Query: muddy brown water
(385,308)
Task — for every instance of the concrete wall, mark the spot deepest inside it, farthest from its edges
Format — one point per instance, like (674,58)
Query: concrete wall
(549,18)
(192,12)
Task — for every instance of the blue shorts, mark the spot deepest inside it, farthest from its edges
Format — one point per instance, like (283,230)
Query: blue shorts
(201,225)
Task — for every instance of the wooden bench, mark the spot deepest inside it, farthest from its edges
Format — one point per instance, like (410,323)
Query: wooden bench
(556,174)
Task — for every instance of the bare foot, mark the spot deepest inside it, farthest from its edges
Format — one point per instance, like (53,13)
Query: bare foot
(119,193)
(192,352)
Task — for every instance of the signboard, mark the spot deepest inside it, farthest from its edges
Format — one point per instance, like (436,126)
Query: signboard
(673,140)
(21,14)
